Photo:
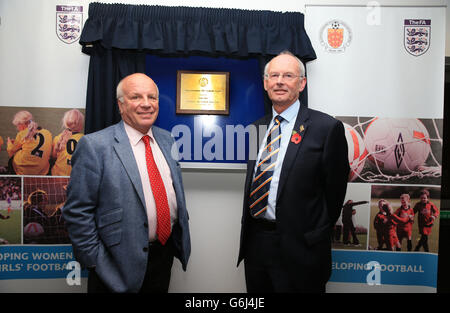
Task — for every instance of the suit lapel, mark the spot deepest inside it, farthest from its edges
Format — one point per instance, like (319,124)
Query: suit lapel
(124,151)
(261,132)
(301,127)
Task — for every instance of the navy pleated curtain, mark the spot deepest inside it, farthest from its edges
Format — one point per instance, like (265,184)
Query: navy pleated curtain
(118,36)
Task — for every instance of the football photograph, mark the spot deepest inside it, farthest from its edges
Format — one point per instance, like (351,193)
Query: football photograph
(351,229)
(42,218)
(10,210)
(404,218)
(39,141)
(394,150)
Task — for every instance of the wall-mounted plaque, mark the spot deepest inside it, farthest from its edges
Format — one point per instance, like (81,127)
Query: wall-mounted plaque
(202,92)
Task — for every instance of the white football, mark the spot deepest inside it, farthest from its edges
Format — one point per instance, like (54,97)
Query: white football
(397,145)
(356,151)
(33,230)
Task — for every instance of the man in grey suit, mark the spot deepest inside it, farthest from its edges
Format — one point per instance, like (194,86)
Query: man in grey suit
(113,211)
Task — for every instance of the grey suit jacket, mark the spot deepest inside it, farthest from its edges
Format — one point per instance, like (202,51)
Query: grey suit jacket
(105,210)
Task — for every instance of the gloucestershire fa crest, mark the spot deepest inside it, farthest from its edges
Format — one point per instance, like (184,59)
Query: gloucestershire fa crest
(335,36)
(69,20)
(203,81)
(417,36)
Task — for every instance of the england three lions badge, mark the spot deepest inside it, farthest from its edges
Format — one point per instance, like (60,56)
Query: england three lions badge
(417,36)
(69,20)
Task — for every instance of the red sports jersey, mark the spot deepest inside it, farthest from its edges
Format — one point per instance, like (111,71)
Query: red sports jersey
(428,212)
(379,221)
(405,219)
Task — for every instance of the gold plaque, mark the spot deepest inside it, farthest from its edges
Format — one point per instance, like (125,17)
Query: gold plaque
(202,92)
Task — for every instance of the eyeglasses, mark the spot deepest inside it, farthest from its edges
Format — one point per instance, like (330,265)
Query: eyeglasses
(286,76)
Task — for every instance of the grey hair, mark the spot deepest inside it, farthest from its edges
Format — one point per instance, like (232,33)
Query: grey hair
(119,91)
(301,67)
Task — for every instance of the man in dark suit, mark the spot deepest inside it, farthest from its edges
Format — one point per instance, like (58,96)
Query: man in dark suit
(294,190)
(125,210)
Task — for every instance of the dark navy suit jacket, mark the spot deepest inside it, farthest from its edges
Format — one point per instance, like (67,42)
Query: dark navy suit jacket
(311,191)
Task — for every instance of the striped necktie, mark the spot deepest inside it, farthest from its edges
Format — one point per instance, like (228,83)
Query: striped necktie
(259,191)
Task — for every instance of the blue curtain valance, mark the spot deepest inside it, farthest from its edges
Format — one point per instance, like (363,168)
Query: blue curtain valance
(184,30)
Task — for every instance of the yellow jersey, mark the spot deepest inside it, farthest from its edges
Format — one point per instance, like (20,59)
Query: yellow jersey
(62,166)
(31,157)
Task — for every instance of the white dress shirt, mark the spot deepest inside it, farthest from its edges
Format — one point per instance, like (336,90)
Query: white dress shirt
(287,125)
(138,147)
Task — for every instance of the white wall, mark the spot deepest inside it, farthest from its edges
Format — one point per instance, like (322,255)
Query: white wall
(214,200)
(37,69)
(447,29)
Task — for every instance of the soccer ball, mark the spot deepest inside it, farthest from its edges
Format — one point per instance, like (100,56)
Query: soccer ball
(397,146)
(33,230)
(356,151)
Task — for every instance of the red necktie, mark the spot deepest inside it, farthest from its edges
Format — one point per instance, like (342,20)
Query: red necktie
(159,193)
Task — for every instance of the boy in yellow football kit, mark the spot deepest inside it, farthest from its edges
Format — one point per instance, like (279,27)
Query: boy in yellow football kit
(30,151)
(65,143)
(62,166)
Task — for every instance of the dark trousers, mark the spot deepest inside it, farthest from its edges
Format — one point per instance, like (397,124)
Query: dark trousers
(264,270)
(349,229)
(157,276)
(423,242)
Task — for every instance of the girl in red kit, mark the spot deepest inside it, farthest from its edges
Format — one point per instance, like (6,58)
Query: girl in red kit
(391,230)
(427,214)
(389,226)
(406,215)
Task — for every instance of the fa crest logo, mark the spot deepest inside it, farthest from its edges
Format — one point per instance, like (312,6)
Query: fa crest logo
(203,81)
(335,36)
(417,36)
(69,20)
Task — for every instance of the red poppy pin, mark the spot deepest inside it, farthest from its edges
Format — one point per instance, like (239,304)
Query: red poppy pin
(296,137)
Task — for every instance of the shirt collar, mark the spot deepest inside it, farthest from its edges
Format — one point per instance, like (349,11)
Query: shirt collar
(290,113)
(135,136)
